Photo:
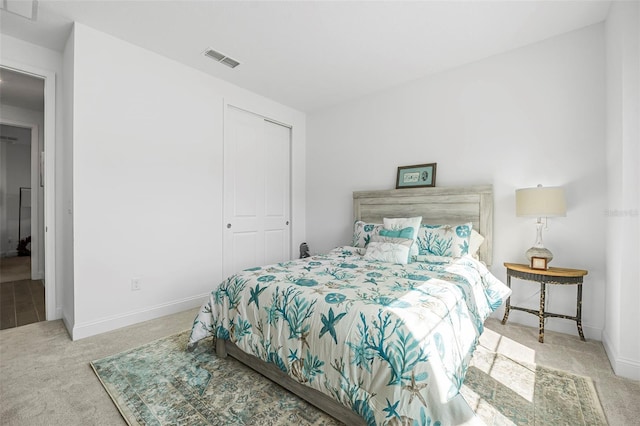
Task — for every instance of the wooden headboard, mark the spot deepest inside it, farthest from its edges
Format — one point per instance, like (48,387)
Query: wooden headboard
(439,206)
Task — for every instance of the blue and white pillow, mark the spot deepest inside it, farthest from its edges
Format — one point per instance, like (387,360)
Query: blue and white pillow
(395,224)
(444,240)
(362,232)
(398,233)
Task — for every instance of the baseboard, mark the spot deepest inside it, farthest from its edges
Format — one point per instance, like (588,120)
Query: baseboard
(623,367)
(80,331)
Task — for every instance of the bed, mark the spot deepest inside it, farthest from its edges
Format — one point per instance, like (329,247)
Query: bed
(369,339)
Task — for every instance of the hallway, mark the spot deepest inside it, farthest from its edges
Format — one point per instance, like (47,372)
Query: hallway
(21,299)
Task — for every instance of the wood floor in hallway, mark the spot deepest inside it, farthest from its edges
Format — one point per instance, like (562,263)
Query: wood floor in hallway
(21,299)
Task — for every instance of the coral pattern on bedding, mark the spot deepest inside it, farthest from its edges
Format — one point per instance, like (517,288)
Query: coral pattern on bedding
(444,240)
(391,342)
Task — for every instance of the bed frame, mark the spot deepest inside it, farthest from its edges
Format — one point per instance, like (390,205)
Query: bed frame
(450,205)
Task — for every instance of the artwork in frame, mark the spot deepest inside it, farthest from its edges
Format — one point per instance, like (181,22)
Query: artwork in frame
(418,176)
(539,263)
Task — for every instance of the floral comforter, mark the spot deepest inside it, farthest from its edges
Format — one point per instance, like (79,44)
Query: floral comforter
(391,342)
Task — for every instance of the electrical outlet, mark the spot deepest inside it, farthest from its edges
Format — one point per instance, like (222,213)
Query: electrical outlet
(136,284)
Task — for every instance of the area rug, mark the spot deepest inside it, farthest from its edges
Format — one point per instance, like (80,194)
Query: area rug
(162,384)
(503,391)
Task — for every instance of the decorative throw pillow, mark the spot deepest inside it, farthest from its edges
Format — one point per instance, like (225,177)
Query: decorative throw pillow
(388,249)
(362,233)
(400,233)
(402,223)
(475,241)
(444,240)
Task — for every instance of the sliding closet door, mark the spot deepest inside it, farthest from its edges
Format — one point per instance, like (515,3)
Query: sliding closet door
(256,191)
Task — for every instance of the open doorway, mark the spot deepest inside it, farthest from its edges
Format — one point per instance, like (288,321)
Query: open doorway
(22,254)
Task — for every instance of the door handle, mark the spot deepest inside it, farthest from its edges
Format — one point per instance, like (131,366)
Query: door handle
(287,223)
(228,226)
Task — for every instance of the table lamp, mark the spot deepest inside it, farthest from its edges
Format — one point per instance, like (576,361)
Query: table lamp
(540,202)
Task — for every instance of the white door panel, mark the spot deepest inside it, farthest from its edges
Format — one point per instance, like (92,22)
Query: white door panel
(277,171)
(275,244)
(242,257)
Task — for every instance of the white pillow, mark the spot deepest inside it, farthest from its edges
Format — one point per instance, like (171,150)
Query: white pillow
(396,224)
(388,249)
(475,241)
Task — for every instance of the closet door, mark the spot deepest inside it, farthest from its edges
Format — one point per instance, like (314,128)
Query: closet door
(256,191)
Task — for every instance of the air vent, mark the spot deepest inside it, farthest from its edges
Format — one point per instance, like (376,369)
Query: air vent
(25,8)
(221,58)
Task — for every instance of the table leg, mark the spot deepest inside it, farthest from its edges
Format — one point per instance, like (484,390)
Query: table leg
(541,314)
(508,304)
(579,312)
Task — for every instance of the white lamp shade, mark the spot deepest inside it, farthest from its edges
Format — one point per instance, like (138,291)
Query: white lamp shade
(541,202)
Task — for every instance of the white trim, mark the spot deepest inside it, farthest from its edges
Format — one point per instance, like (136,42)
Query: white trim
(49,130)
(36,255)
(80,331)
(623,367)
(3,194)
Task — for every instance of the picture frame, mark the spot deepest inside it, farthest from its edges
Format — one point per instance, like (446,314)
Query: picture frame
(417,176)
(539,263)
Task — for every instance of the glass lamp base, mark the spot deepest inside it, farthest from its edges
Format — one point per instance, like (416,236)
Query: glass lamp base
(539,252)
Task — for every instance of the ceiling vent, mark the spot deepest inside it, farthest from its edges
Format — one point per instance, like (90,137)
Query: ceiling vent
(25,8)
(221,58)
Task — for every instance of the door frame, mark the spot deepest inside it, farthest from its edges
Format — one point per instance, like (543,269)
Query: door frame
(49,175)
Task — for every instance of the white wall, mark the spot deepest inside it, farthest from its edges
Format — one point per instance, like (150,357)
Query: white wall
(65,172)
(18,52)
(532,115)
(621,337)
(147,180)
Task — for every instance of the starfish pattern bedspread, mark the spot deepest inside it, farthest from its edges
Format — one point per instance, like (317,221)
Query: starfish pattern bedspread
(391,342)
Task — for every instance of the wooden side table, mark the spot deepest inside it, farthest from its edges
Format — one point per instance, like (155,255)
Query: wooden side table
(562,276)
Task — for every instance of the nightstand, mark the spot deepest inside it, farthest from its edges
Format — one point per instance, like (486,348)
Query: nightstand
(561,276)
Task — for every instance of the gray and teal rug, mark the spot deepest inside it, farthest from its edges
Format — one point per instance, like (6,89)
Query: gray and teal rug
(162,384)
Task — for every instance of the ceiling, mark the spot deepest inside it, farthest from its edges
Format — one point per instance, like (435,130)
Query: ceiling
(314,54)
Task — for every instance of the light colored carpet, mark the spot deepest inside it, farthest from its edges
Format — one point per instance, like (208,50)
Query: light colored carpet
(45,378)
(162,384)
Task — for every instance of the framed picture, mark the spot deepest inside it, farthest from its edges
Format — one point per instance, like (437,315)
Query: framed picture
(538,263)
(418,176)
